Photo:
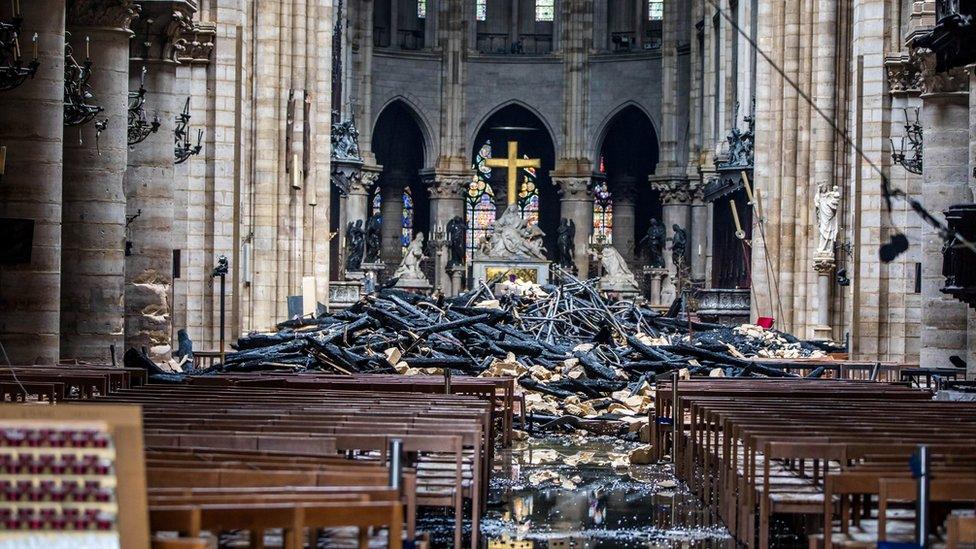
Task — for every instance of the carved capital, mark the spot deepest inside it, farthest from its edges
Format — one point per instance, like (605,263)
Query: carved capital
(824,263)
(199,44)
(954,80)
(673,191)
(162,32)
(446,186)
(101,13)
(574,188)
(903,75)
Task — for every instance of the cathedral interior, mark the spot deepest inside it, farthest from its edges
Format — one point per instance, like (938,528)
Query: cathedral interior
(541,176)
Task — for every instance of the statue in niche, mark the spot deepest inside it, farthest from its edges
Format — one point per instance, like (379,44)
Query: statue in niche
(345,141)
(827,202)
(409,268)
(616,273)
(679,245)
(514,237)
(655,240)
(455,241)
(355,240)
(374,239)
(566,243)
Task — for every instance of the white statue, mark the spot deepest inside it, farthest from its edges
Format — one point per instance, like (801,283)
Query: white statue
(827,202)
(513,237)
(616,273)
(409,268)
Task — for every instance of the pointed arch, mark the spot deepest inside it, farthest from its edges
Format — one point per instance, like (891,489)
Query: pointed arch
(411,107)
(607,123)
(476,128)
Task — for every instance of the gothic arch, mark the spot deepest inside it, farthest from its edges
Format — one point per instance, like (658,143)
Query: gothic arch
(476,128)
(430,150)
(605,125)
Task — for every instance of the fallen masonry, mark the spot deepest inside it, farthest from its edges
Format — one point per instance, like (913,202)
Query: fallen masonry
(582,360)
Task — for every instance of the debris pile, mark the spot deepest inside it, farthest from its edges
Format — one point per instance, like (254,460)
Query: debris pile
(577,356)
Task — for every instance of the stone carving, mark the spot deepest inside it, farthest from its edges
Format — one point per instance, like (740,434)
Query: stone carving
(903,76)
(566,242)
(409,269)
(673,191)
(741,143)
(441,186)
(513,238)
(679,245)
(165,25)
(826,203)
(345,141)
(954,80)
(199,49)
(617,275)
(355,245)
(373,239)
(573,187)
(654,240)
(101,13)
(455,241)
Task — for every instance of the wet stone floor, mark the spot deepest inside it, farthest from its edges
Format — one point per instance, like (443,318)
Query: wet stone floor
(582,492)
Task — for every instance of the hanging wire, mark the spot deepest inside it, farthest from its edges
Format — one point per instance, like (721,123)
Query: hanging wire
(889,192)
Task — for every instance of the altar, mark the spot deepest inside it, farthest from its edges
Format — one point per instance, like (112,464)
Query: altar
(485,269)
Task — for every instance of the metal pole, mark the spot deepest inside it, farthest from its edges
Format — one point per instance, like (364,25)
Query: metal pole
(922,501)
(447,381)
(675,415)
(396,464)
(222,315)
(111,349)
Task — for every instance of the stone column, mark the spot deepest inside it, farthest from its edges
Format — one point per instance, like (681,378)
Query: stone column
(699,236)
(31,128)
(93,230)
(622,195)
(824,265)
(446,201)
(576,203)
(945,126)
(676,198)
(391,207)
(149,181)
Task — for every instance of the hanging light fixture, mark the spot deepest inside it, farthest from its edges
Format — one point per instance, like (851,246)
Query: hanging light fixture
(13,69)
(77,91)
(184,150)
(913,133)
(139,126)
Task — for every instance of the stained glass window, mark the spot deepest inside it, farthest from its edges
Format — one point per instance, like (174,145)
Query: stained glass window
(406,234)
(655,10)
(545,10)
(421,9)
(602,212)
(528,198)
(480,201)
(481,9)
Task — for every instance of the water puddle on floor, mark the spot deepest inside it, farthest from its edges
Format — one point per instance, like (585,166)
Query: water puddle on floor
(582,492)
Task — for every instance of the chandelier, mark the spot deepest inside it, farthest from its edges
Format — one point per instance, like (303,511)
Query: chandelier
(77,92)
(184,149)
(139,126)
(913,132)
(13,70)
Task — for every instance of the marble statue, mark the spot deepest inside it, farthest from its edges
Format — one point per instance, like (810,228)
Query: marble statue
(616,273)
(373,239)
(455,241)
(513,237)
(655,239)
(355,240)
(679,244)
(345,141)
(826,203)
(409,268)
(566,242)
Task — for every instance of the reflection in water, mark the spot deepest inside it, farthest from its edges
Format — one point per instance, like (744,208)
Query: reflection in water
(571,492)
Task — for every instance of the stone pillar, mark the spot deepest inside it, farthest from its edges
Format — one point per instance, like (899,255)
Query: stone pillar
(391,207)
(446,201)
(93,230)
(676,198)
(150,183)
(622,195)
(699,236)
(31,128)
(576,203)
(945,125)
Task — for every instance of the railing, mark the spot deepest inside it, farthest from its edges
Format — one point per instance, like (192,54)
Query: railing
(623,41)
(499,43)
(381,37)
(410,39)
(535,44)
(493,42)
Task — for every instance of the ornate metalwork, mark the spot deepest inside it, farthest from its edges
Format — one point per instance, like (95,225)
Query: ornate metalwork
(13,70)
(139,125)
(913,133)
(77,91)
(184,149)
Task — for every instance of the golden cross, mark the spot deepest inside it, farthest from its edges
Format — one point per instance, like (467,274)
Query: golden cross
(513,163)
